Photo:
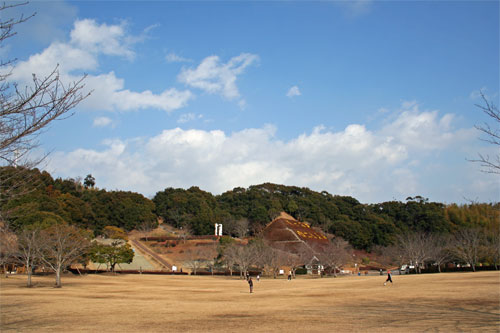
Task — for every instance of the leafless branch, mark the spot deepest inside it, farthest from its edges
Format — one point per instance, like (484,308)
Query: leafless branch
(27,111)
(492,136)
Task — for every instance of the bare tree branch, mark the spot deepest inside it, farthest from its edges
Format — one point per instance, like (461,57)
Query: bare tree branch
(27,111)
(29,241)
(468,246)
(8,246)
(492,136)
(62,245)
(336,254)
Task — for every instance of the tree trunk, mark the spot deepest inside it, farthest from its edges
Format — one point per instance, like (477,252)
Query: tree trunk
(58,277)
(439,268)
(29,271)
(473,267)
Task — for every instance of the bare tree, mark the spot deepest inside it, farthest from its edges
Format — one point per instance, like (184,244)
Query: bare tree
(389,255)
(194,260)
(492,248)
(293,261)
(8,247)
(29,242)
(146,227)
(238,228)
(241,227)
(440,250)
(242,256)
(26,111)
(492,136)
(336,254)
(272,259)
(414,248)
(185,232)
(228,258)
(61,245)
(468,246)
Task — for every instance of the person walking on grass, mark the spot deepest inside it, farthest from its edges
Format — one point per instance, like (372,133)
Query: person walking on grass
(250,284)
(389,278)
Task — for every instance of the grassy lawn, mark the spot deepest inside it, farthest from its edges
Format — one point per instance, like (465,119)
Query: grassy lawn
(448,302)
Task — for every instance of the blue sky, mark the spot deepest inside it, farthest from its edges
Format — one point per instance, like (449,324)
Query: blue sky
(373,99)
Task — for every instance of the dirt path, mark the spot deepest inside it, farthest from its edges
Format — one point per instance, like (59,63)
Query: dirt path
(149,253)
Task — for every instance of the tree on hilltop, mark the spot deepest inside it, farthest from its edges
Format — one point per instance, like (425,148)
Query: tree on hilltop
(89,181)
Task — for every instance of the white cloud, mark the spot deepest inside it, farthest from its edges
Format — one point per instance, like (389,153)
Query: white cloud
(371,165)
(215,77)
(172,57)
(424,130)
(102,122)
(66,56)
(88,41)
(151,27)
(168,100)
(293,91)
(88,35)
(187,117)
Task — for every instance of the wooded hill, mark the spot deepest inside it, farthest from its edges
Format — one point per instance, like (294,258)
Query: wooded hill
(44,199)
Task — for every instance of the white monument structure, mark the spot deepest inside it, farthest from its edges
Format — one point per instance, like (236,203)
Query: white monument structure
(218,229)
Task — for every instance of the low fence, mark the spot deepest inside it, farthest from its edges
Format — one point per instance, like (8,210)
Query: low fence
(227,273)
(124,271)
(168,238)
(434,269)
(133,271)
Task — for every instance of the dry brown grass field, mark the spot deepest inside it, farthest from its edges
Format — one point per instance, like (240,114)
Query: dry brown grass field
(447,302)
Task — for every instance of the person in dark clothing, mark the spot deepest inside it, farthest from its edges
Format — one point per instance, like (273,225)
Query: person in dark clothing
(250,283)
(389,278)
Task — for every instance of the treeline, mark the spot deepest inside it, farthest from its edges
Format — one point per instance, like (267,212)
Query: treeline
(47,201)
(363,225)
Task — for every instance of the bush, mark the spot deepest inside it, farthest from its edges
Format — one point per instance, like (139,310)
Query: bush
(300,271)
